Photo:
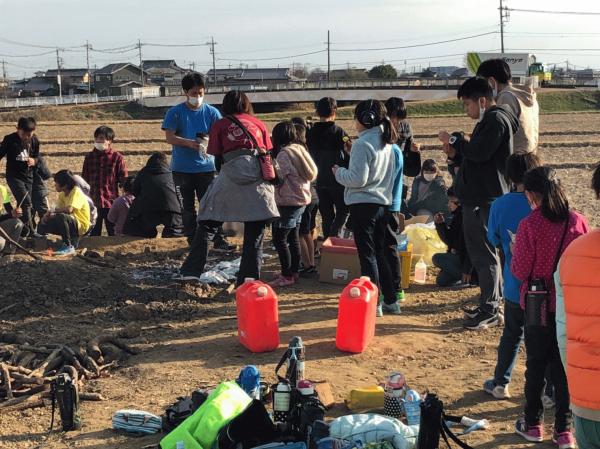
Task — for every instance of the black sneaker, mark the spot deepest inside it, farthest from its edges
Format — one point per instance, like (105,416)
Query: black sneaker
(307,271)
(223,244)
(471,312)
(482,320)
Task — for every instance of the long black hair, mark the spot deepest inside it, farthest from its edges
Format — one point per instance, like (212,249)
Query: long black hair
(372,113)
(65,178)
(544,182)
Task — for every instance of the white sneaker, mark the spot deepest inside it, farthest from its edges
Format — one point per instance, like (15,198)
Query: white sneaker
(185,277)
(498,391)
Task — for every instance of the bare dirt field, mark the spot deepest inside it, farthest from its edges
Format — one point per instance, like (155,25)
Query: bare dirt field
(192,340)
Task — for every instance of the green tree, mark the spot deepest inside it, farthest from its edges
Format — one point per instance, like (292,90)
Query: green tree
(385,71)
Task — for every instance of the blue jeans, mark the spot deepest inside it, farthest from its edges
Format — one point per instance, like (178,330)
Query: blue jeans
(450,268)
(587,433)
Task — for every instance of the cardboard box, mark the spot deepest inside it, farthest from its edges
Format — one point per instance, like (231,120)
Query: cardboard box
(339,261)
(340,264)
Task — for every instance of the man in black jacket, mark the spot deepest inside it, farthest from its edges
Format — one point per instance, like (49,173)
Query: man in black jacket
(455,265)
(478,182)
(327,144)
(21,149)
(156,201)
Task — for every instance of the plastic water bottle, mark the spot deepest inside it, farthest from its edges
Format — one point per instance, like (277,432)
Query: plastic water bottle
(282,397)
(403,243)
(421,272)
(412,407)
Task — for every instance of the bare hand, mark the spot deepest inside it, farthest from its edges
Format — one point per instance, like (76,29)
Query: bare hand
(450,152)
(466,278)
(30,162)
(334,169)
(16,213)
(438,218)
(415,147)
(194,145)
(347,145)
(444,136)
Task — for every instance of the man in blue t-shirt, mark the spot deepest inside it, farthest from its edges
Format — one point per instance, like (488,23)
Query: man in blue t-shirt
(186,128)
(505,215)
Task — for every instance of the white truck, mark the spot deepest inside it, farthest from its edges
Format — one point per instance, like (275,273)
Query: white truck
(522,65)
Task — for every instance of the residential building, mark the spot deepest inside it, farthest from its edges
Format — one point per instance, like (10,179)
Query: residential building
(73,81)
(118,79)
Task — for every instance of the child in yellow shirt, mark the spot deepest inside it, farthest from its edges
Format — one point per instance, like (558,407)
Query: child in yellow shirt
(71,217)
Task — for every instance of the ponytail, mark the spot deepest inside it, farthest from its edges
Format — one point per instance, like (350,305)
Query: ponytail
(390,135)
(372,113)
(544,182)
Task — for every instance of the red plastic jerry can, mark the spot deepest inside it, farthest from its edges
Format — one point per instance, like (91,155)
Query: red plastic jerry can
(356,315)
(258,316)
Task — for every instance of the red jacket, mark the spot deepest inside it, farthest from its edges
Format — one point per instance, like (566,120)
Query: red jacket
(536,246)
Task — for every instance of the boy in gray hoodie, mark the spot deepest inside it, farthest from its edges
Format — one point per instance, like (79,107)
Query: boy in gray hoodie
(522,100)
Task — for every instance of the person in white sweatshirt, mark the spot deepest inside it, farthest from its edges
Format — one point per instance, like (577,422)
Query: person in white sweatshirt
(368,183)
(521,99)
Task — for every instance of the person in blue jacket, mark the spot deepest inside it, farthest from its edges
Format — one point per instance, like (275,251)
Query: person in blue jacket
(505,215)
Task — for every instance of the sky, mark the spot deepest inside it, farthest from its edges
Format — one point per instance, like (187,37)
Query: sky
(256,32)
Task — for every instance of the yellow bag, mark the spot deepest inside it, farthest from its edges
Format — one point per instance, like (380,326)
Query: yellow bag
(366,398)
(426,242)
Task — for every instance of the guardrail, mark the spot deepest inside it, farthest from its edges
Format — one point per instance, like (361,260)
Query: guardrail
(441,83)
(26,102)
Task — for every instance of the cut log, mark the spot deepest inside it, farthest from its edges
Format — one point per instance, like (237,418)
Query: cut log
(93,346)
(91,397)
(70,358)
(29,348)
(27,380)
(7,381)
(19,369)
(42,368)
(32,403)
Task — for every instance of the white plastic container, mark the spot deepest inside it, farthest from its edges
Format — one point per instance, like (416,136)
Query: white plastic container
(421,272)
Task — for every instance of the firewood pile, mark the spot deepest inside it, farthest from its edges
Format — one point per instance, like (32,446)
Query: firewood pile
(28,370)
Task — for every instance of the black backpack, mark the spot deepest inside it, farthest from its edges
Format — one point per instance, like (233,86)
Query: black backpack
(253,427)
(433,425)
(65,393)
(178,412)
(305,411)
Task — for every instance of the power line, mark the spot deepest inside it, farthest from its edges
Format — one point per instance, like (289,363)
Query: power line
(174,45)
(28,56)
(273,59)
(540,11)
(553,49)
(418,45)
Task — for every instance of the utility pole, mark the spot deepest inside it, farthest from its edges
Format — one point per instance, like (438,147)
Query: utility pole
(328,56)
(504,16)
(87,58)
(4,79)
(212,44)
(58,78)
(141,62)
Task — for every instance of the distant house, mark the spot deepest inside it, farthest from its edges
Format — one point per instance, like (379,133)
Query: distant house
(118,79)
(350,74)
(249,77)
(73,81)
(445,70)
(164,72)
(38,86)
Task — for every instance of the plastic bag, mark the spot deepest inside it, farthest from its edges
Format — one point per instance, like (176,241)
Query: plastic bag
(426,241)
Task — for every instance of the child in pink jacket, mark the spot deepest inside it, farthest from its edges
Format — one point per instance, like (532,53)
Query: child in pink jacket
(296,171)
(540,240)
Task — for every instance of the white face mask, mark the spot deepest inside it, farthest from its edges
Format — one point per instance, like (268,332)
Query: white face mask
(195,101)
(100,146)
(494,87)
(429,176)
(481,113)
